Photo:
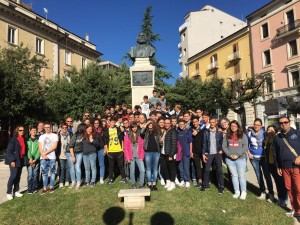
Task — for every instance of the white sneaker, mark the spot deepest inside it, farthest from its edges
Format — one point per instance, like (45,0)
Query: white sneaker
(78,185)
(177,181)
(61,185)
(72,185)
(162,182)
(187,185)
(67,184)
(243,195)
(18,194)
(236,194)
(181,184)
(271,198)
(290,214)
(262,196)
(172,187)
(167,184)
(101,181)
(9,197)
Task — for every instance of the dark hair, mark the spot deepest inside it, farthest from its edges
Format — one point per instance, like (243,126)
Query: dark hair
(154,91)
(155,130)
(195,118)
(160,118)
(136,113)
(63,124)
(213,118)
(205,113)
(81,129)
(145,97)
(32,127)
(16,130)
(144,115)
(162,93)
(181,120)
(86,137)
(274,127)
(186,112)
(258,120)
(239,132)
(158,104)
(133,138)
(282,117)
(153,113)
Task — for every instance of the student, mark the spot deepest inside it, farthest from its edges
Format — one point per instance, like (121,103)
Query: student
(153,100)
(162,100)
(134,154)
(34,161)
(145,106)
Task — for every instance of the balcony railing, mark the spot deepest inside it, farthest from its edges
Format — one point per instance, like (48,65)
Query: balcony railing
(234,56)
(212,66)
(288,28)
(180,45)
(196,73)
(236,76)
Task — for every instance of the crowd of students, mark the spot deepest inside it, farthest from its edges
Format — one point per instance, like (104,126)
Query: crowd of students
(154,142)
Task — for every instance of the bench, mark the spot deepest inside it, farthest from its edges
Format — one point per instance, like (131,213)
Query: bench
(134,198)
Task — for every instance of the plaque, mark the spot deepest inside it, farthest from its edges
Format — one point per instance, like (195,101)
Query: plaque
(142,78)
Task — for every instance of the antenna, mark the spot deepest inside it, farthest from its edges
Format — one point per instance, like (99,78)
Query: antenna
(46,12)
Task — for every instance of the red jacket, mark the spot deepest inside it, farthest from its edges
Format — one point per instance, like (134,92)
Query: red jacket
(127,148)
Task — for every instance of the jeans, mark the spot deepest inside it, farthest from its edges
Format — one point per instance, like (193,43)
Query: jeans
(151,161)
(261,170)
(184,168)
(64,175)
(218,160)
(101,163)
(115,157)
(238,170)
(141,167)
(14,179)
(32,177)
(197,165)
(75,168)
(47,165)
(279,182)
(168,167)
(90,164)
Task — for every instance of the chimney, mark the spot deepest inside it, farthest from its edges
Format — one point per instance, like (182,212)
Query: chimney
(87,37)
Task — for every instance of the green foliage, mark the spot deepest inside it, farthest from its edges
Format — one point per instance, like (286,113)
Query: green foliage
(21,96)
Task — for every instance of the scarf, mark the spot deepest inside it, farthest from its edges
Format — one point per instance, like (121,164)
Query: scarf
(256,139)
(65,138)
(22,144)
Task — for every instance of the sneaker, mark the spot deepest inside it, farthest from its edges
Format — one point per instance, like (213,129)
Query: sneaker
(133,186)
(77,185)
(167,184)
(30,192)
(243,195)
(177,181)
(203,188)
(34,191)
(221,190)
(290,214)
(85,184)
(154,187)
(172,187)
(140,187)
(92,184)
(187,185)
(73,185)
(9,197)
(162,182)
(44,191)
(150,187)
(199,184)
(262,196)
(61,185)
(51,190)
(18,194)
(101,181)
(67,184)
(236,194)
(181,184)
(297,215)
(110,182)
(124,181)
(271,198)
(282,203)
(195,183)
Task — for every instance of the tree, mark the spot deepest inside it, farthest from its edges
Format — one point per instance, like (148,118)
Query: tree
(21,96)
(291,103)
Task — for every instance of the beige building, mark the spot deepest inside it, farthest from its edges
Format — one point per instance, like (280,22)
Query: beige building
(61,48)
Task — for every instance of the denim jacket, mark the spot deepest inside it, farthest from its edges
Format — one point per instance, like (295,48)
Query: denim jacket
(206,141)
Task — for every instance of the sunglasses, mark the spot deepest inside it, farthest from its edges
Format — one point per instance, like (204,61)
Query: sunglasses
(285,122)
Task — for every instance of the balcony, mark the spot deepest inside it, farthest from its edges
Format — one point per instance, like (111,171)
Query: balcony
(179,45)
(236,76)
(213,66)
(195,73)
(288,29)
(183,27)
(234,57)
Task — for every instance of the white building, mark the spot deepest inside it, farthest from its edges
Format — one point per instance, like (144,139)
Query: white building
(202,29)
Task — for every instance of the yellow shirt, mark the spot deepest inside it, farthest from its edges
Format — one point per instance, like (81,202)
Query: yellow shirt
(114,144)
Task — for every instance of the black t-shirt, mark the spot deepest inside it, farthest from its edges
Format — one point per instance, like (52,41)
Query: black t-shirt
(152,145)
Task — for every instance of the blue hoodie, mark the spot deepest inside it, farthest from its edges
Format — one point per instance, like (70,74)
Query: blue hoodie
(185,138)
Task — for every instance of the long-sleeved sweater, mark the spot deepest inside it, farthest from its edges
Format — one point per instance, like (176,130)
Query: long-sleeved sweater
(33,149)
(236,147)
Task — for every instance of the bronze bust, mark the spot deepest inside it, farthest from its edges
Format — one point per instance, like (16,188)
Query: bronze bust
(142,50)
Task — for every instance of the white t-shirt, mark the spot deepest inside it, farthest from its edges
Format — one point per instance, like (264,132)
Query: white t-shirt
(47,141)
(145,108)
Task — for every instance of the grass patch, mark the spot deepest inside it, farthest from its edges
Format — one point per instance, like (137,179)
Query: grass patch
(100,205)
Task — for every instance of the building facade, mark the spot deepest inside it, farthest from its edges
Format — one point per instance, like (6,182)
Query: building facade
(197,34)
(61,48)
(226,59)
(274,38)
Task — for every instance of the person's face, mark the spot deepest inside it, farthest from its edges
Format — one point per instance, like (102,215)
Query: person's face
(158,107)
(196,123)
(86,115)
(128,111)
(162,97)
(96,124)
(161,123)
(181,125)
(271,131)
(234,127)
(126,123)
(154,94)
(168,124)
(153,117)
(176,109)
(104,124)
(106,111)
(40,126)
(136,118)
(199,113)
(33,132)
(112,123)
(64,128)
(89,130)
(117,107)
(224,124)
(134,129)
(256,126)
(47,128)
(69,121)
(158,115)
(87,122)
(112,110)
(174,122)
(212,123)
(142,119)
(146,100)
(205,118)
(150,125)
(21,131)
(131,118)
(186,117)
(284,124)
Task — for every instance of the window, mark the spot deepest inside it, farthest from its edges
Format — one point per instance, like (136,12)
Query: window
(197,66)
(68,58)
(84,63)
(264,31)
(295,78)
(183,37)
(235,47)
(11,38)
(292,48)
(184,52)
(267,57)
(269,85)
(39,48)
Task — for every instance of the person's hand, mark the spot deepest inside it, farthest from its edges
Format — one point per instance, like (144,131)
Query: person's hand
(234,157)
(105,152)
(220,152)
(30,161)
(195,132)
(204,158)
(45,157)
(122,128)
(250,155)
(73,159)
(13,164)
(170,158)
(128,161)
(191,155)
(279,171)
(297,161)
(91,138)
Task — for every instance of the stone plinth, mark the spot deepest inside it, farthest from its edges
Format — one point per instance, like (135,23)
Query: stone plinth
(134,198)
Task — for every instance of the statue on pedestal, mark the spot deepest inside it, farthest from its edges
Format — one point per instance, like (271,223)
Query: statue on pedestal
(142,50)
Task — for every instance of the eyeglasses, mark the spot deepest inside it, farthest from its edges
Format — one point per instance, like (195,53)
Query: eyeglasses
(64,127)
(285,122)
(21,130)
(46,127)
(69,121)
(86,115)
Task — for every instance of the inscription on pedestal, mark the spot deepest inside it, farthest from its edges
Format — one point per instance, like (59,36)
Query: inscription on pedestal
(142,78)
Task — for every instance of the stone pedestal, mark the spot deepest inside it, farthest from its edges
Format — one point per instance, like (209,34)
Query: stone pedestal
(142,75)
(134,198)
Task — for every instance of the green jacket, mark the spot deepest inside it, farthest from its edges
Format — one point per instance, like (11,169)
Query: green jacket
(33,149)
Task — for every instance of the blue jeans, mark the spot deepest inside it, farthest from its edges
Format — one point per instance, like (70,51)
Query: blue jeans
(184,169)
(75,168)
(32,175)
(64,175)
(141,167)
(279,182)
(261,170)
(90,164)
(47,165)
(101,163)
(151,161)
(238,170)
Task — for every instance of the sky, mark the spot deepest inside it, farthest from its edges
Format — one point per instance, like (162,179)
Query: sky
(113,25)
